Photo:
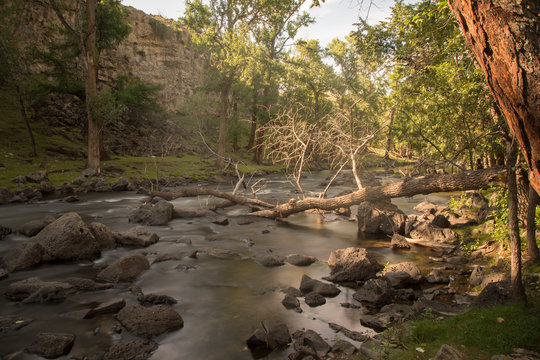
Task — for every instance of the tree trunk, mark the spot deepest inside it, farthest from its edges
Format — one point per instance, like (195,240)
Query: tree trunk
(389,135)
(94,127)
(26,121)
(253,129)
(518,292)
(504,36)
(223,117)
(470,180)
(532,246)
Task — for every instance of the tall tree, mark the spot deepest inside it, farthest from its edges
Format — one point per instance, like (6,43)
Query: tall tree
(504,37)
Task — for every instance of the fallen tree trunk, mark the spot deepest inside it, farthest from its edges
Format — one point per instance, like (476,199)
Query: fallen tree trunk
(469,180)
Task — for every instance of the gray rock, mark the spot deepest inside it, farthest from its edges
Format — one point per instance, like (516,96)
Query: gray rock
(314,341)
(52,345)
(399,242)
(5,196)
(139,349)
(37,176)
(447,352)
(159,213)
(29,194)
(221,220)
(300,260)
(125,269)
(19,179)
(402,275)
(270,260)
(46,188)
(109,307)
(150,321)
(24,256)
(343,347)
(103,234)
(156,299)
(291,303)
(67,238)
(375,291)
(277,333)
(381,217)
(11,323)
(427,207)
(314,299)
(64,189)
(427,231)
(494,277)
(86,284)
(352,264)
(353,335)
(35,290)
(4,231)
(33,227)
(88,172)
(308,285)
(122,184)
(137,236)
(477,275)
(438,276)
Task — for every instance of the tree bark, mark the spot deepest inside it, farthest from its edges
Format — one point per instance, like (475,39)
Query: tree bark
(26,121)
(532,246)
(518,292)
(94,127)
(223,117)
(505,39)
(469,180)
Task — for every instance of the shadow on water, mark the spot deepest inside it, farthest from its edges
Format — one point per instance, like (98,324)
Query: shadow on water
(223,295)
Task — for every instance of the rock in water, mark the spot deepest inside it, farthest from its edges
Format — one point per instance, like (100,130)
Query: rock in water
(68,238)
(137,236)
(380,217)
(125,269)
(159,213)
(24,256)
(52,345)
(352,264)
(129,350)
(150,321)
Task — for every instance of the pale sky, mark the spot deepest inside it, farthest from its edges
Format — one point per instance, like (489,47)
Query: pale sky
(334,18)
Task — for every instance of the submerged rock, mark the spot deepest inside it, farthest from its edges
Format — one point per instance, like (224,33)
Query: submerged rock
(150,321)
(300,260)
(137,236)
(35,290)
(11,323)
(125,269)
(139,349)
(109,307)
(156,299)
(159,213)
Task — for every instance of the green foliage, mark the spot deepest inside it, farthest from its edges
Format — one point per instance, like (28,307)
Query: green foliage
(136,94)
(111,27)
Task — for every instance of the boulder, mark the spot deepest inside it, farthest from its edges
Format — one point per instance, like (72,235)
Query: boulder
(4,231)
(427,231)
(291,303)
(308,285)
(440,221)
(352,264)
(258,345)
(37,176)
(23,256)
(102,185)
(375,291)
(476,207)
(312,340)
(495,293)
(447,352)
(300,260)
(438,276)
(477,275)
(33,227)
(159,213)
(381,217)
(64,189)
(399,242)
(139,349)
(109,307)
(427,207)
(5,196)
(314,299)
(137,236)
(46,188)
(221,220)
(125,269)
(28,194)
(67,238)
(402,275)
(277,333)
(82,284)
(122,184)
(151,321)
(11,323)
(343,347)
(156,299)
(52,345)
(35,290)
(103,235)
(270,260)
(494,277)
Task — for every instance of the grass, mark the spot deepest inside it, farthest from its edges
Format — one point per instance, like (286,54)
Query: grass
(479,333)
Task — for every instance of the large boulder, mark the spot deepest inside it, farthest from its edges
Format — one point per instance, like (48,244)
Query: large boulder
(137,236)
(103,235)
(125,269)
(23,256)
(380,217)
(52,345)
(352,264)
(159,213)
(402,275)
(33,227)
(68,238)
(151,321)
(35,290)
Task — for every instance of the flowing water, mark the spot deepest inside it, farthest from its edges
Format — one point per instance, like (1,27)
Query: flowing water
(223,295)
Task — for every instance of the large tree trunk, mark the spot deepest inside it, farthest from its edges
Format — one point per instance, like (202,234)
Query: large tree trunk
(505,38)
(532,246)
(518,292)
(469,180)
(94,128)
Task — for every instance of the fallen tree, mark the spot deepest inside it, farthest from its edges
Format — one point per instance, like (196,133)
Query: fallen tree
(468,180)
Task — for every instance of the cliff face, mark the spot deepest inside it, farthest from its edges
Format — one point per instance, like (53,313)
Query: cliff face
(154,52)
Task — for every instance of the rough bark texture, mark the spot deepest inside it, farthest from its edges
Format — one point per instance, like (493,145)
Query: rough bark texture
(94,128)
(518,292)
(469,180)
(504,36)
(532,246)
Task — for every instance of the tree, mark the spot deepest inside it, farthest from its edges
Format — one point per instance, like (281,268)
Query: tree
(221,31)
(504,37)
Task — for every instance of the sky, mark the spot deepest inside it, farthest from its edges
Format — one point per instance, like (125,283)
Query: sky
(334,18)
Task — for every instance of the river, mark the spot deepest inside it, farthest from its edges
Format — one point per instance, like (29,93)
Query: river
(223,295)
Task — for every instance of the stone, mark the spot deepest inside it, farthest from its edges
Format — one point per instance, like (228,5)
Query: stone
(4,231)
(67,238)
(426,207)
(33,290)
(33,227)
(270,260)
(375,291)
(29,194)
(277,333)
(399,242)
(122,184)
(64,189)
(440,221)
(5,196)
(82,284)
(221,220)
(447,352)
(438,276)
(109,307)
(137,236)
(46,188)
(88,172)
(477,275)
(308,285)
(353,335)
(151,321)
(494,277)
(19,179)
(258,345)
(103,235)
(314,341)
(427,231)
(125,269)
(402,275)
(159,213)
(291,303)
(495,293)
(300,260)
(24,256)
(156,299)
(11,323)
(139,349)
(52,345)
(37,176)
(314,299)
(352,264)
(381,217)
(343,347)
